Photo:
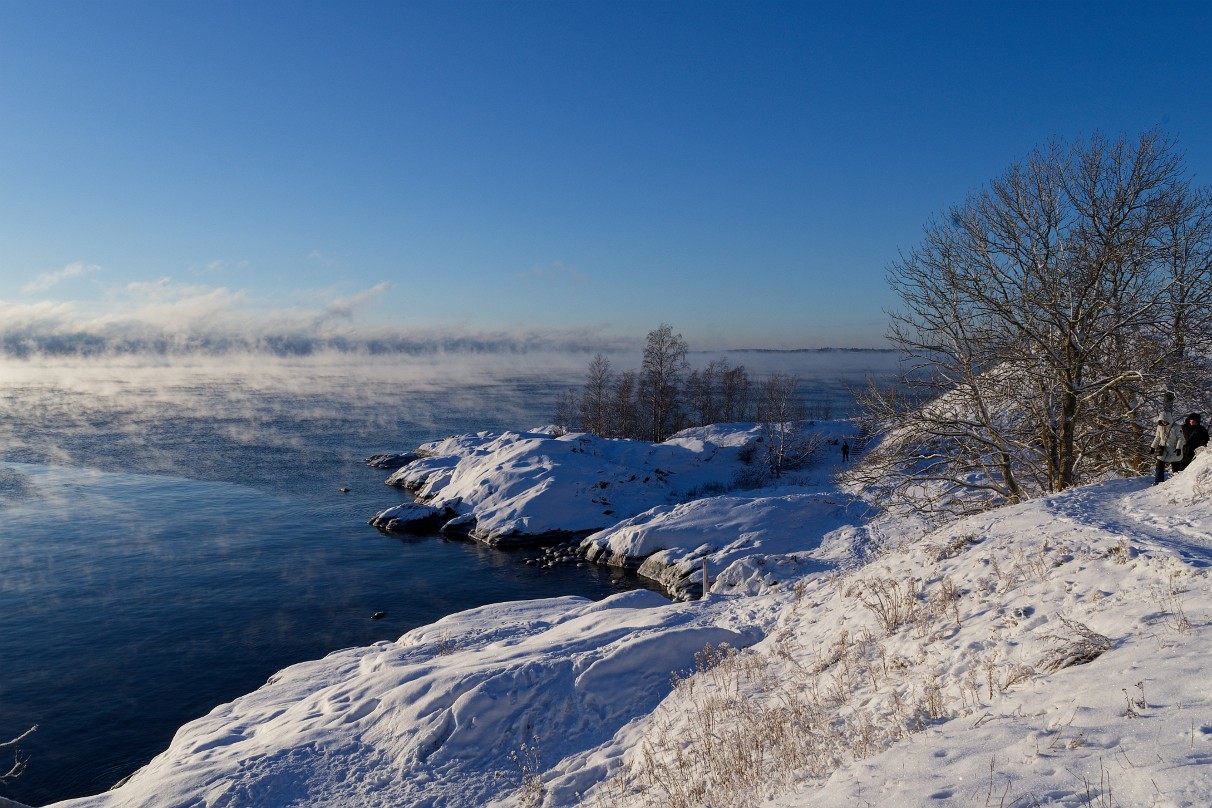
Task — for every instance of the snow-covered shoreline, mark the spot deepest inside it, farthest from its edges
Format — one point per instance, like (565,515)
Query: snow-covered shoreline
(1048,653)
(648,507)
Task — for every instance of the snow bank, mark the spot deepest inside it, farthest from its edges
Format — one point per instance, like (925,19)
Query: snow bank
(432,719)
(745,542)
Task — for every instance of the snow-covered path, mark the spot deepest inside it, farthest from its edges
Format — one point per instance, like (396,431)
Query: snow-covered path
(1138,511)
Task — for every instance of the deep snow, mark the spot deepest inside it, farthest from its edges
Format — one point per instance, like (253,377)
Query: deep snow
(853,657)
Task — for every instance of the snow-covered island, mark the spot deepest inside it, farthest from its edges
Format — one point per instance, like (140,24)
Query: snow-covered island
(1047,653)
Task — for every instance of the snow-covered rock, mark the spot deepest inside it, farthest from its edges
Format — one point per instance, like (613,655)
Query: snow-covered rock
(523,487)
(730,536)
(437,717)
(413,516)
(639,505)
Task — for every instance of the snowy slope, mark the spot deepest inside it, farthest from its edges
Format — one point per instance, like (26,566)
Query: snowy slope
(1049,653)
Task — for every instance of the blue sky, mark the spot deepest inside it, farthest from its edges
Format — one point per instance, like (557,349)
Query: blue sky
(745,171)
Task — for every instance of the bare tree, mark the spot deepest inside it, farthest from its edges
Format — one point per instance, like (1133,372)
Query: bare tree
(786,445)
(660,380)
(567,412)
(735,394)
(701,396)
(717,393)
(595,406)
(626,417)
(1030,325)
(1186,328)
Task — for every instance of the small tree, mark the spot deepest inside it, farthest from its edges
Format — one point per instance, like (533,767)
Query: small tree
(625,416)
(735,394)
(660,380)
(595,406)
(567,410)
(717,393)
(780,413)
(701,396)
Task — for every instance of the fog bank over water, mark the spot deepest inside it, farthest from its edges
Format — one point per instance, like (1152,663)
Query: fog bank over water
(50,331)
(196,413)
(172,319)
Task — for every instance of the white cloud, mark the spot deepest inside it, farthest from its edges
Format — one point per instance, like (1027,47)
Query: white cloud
(49,279)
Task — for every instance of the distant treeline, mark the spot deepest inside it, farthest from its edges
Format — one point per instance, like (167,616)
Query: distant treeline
(666,395)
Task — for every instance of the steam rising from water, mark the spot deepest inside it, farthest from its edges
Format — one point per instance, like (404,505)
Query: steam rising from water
(224,411)
(170,320)
(229,418)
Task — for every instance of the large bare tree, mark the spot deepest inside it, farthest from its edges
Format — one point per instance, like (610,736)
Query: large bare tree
(1039,318)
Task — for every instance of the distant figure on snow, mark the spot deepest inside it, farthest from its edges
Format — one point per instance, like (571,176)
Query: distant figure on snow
(845,452)
(1167,446)
(1195,435)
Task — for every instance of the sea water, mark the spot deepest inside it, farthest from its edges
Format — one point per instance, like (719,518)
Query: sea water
(171,535)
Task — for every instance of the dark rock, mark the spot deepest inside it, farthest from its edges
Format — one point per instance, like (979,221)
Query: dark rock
(391,461)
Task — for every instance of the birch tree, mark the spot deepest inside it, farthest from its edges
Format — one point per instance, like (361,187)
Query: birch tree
(626,418)
(785,445)
(660,380)
(596,409)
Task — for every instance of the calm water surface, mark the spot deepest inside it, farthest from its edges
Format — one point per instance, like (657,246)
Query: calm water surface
(165,548)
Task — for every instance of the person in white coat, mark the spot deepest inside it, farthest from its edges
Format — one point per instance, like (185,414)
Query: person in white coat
(1167,446)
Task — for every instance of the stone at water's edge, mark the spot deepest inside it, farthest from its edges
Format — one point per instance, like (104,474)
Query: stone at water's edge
(600,554)
(680,581)
(391,461)
(412,517)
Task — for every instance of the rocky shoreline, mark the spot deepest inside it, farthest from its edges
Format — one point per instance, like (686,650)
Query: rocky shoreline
(586,500)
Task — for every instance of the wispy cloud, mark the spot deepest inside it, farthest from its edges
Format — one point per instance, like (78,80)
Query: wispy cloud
(217,266)
(48,280)
(326,260)
(344,307)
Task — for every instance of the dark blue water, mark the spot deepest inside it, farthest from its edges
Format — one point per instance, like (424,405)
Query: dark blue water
(162,554)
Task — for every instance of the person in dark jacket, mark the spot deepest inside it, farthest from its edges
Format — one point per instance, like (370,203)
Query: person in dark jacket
(1195,435)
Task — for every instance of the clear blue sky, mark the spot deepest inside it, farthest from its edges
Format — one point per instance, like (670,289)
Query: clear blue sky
(745,171)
